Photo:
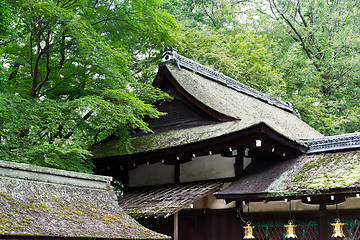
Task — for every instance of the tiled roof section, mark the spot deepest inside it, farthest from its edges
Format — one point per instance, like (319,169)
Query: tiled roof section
(165,200)
(332,143)
(170,55)
(37,207)
(307,174)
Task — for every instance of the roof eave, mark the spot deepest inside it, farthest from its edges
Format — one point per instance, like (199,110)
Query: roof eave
(329,196)
(244,137)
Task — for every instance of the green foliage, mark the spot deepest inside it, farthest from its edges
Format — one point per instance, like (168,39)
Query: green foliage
(240,55)
(5,18)
(74,72)
(301,51)
(318,57)
(196,13)
(66,76)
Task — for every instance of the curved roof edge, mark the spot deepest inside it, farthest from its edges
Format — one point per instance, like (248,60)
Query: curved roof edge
(170,56)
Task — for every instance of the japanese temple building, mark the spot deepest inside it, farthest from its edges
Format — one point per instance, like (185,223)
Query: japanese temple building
(226,154)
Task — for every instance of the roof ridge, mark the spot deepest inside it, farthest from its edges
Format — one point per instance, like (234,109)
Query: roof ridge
(332,143)
(51,175)
(170,55)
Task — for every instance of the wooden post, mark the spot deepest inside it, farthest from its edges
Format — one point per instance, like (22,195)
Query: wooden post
(239,162)
(176,226)
(177,173)
(323,223)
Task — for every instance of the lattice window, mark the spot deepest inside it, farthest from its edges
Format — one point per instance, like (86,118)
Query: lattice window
(271,230)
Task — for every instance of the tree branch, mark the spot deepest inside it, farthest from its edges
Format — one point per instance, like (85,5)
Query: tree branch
(212,20)
(87,116)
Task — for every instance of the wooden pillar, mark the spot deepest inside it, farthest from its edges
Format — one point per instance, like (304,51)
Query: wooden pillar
(239,162)
(323,223)
(177,173)
(176,226)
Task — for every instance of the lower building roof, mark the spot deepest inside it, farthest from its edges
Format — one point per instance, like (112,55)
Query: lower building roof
(44,202)
(165,200)
(316,174)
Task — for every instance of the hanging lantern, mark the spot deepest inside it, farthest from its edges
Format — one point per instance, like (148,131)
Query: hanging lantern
(248,231)
(337,228)
(248,228)
(290,230)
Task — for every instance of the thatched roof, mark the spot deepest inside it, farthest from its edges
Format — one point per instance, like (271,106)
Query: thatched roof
(244,106)
(37,201)
(323,173)
(237,105)
(232,98)
(165,200)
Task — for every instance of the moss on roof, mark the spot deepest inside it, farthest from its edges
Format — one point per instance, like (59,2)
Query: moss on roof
(326,171)
(241,106)
(246,111)
(172,138)
(307,174)
(46,209)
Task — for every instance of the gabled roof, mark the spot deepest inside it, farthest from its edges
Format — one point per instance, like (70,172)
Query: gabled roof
(240,106)
(165,200)
(42,202)
(315,174)
(171,57)
(235,106)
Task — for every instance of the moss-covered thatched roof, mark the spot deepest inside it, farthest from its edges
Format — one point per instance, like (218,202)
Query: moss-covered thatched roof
(167,139)
(241,106)
(308,174)
(35,201)
(245,110)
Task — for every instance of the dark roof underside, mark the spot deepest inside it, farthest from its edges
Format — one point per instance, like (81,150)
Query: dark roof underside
(165,200)
(45,209)
(196,140)
(307,174)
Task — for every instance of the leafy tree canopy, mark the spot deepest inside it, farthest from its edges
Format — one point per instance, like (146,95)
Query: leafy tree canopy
(76,71)
(304,51)
(66,80)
